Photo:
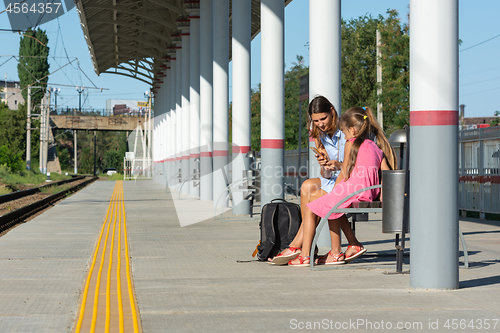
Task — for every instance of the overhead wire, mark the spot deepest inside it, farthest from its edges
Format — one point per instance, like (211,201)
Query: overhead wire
(470,47)
(62,40)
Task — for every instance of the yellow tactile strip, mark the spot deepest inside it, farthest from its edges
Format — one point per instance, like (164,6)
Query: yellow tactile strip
(108,301)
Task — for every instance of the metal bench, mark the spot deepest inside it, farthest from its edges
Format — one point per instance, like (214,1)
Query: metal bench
(367,207)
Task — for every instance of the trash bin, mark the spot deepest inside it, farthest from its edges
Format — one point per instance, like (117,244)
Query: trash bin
(393,192)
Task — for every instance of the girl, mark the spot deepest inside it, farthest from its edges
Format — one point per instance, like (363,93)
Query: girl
(362,161)
(330,141)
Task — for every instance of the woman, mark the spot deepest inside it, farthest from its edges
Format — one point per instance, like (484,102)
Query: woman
(323,123)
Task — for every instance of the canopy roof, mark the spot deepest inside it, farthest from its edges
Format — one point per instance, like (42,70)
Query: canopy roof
(133,38)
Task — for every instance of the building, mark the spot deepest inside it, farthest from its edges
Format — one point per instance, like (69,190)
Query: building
(476,122)
(11,94)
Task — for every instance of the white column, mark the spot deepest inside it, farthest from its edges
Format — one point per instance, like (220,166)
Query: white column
(272,100)
(194,99)
(172,127)
(324,58)
(178,113)
(165,141)
(434,140)
(221,100)
(206,106)
(186,125)
(241,110)
(158,103)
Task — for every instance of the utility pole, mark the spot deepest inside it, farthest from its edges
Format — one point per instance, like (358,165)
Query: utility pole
(380,115)
(47,129)
(80,90)
(28,132)
(95,148)
(42,119)
(44,135)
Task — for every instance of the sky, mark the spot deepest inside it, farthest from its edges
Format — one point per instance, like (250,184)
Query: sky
(479,66)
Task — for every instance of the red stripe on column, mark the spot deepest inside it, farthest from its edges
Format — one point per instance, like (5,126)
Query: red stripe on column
(433,118)
(241,149)
(194,155)
(206,154)
(272,143)
(220,152)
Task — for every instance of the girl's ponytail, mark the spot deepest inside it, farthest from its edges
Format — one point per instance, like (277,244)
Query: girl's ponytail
(382,142)
(363,120)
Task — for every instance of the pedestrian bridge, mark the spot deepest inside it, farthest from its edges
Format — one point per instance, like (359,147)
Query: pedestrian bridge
(112,123)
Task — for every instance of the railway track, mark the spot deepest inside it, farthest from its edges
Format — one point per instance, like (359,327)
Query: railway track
(11,218)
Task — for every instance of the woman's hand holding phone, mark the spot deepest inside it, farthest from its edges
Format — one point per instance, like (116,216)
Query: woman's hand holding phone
(320,156)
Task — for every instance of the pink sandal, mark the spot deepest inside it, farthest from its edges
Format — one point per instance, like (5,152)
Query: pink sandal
(303,261)
(338,259)
(360,250)
(282,259)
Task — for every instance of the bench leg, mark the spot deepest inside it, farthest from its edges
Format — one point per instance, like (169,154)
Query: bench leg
(464,248)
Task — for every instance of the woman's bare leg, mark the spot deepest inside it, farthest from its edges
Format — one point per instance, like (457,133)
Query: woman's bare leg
(309,223)
(309,191)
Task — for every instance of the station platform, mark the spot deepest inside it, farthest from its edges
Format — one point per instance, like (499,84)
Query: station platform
(200,277)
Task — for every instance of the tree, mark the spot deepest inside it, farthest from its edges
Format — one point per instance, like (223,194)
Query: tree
(395,95)
(255,119)
(11,160)
(359,62)
(496,121)
(292,92)
(112,159)
(33,66)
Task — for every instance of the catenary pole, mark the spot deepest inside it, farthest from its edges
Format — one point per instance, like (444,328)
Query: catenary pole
(28,132)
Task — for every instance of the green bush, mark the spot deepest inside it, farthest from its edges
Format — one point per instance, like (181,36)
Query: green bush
(11,160)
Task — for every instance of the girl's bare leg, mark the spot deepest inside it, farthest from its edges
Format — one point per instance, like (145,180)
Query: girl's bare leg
(335,233)
(334,226)
(349,234)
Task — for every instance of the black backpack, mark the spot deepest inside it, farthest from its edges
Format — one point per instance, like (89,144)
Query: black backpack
(279,223)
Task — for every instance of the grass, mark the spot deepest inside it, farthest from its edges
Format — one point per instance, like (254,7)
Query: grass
(55,189)
(4,190)
(25,177)
(116,176)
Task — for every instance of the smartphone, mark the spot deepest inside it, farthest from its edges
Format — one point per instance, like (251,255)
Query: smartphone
(314,149)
